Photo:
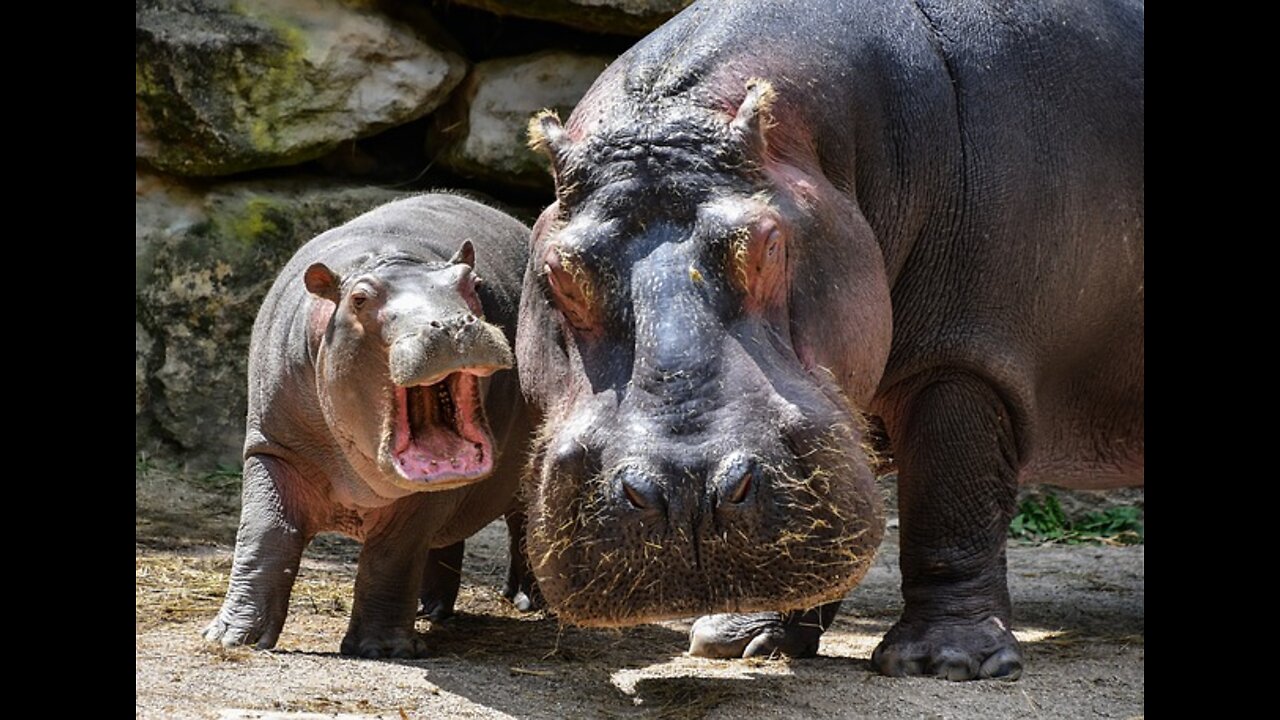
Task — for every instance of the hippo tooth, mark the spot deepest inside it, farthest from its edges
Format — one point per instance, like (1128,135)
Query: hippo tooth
(447,410)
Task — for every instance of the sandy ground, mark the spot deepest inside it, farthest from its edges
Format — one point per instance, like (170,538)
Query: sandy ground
(1080,613)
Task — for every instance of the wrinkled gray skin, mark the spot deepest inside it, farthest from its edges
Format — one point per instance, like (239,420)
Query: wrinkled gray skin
(366,321)
(773,215)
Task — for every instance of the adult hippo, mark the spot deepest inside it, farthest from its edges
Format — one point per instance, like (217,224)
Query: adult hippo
(375,411)
(772,217)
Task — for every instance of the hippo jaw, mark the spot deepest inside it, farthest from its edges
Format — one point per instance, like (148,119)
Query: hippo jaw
(440,435)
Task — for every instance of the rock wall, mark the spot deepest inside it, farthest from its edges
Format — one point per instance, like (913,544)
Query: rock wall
(261,123)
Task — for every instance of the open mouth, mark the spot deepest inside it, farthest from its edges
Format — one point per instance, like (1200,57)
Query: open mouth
(441,433)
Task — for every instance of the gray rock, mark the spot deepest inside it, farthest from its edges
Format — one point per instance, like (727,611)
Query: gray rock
(205,259)
(482,132)
(223,86)
(625,17)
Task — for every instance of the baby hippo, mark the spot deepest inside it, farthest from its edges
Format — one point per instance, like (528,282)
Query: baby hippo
(378,408)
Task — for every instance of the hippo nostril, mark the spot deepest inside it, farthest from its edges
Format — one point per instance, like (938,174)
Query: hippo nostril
(436,324)
(738,492)
(640,490)
(470,318)
(633,495)
(738,478)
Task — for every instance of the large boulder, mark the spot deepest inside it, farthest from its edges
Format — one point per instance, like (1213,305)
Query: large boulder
(205,258)
(481,134)
(223,86)
(624,17)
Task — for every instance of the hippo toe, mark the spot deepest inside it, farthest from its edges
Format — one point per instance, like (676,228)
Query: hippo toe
(765,634)
(397,643)
(236,632)
(953,651)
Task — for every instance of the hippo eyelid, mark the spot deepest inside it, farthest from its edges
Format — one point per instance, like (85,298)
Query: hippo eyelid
(361,293)
(572,282)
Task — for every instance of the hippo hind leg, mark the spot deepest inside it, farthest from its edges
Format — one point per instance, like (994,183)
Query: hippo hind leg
(269,548)
(441,579)
(957,483)
(521,588)
(765,634)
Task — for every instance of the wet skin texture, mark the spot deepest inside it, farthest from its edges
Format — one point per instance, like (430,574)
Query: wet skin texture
(380,407)
(930,212)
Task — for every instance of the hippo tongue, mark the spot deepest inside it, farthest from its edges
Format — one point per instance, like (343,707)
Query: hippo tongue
(441,434)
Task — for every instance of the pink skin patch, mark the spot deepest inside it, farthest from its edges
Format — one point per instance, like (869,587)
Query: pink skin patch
(441,434)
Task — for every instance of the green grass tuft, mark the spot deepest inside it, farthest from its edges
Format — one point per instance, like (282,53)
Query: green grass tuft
(1044,521)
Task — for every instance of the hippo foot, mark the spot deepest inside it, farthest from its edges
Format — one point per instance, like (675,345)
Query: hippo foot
(524,595)
(389,644)
(766,634)
(436,610)
(243,625)
(951,650)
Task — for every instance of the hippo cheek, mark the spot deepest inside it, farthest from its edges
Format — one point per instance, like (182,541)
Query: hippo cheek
(440,436)
(757,530)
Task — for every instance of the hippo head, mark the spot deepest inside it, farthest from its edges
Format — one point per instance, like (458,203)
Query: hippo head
(701,451)
(399,368)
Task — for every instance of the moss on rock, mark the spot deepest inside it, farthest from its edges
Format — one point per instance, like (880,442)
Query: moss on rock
(223,87)
(207,270)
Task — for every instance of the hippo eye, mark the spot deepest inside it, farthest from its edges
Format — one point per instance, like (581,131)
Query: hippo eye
(758,262)
(358,299)
(572,298)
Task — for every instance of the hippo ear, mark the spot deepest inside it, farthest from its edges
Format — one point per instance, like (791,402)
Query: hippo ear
(755,115)
(466,254)
(323,282)
(548,136)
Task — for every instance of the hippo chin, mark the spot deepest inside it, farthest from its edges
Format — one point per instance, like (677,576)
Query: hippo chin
(771,216)
(371,389)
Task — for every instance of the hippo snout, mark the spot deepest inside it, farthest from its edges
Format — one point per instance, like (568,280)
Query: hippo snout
(428,354)
(639,525)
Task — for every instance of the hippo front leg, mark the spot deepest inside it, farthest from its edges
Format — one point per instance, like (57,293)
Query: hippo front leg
(269,548)
(765,634)
(388,581)
(957,480)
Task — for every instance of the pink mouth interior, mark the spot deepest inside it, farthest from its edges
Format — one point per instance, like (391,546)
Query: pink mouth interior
(441,434)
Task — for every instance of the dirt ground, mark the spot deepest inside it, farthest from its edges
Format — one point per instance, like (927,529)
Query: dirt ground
(1080,613)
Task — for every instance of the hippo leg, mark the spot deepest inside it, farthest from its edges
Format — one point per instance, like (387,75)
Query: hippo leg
(765,634)
(388,581)
(269,548)
(956,455)
(522,588)
(441,579)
